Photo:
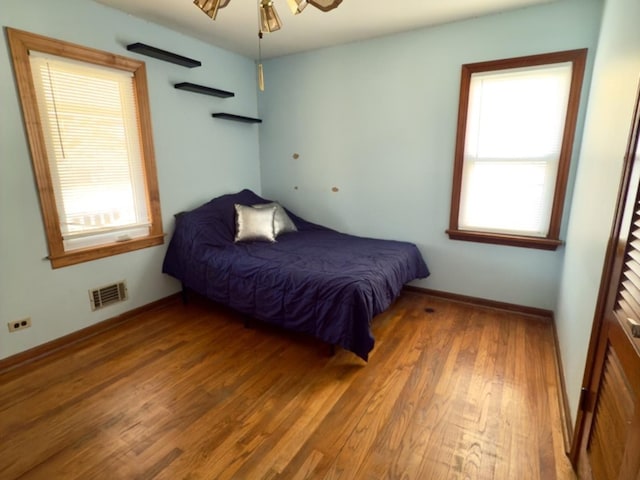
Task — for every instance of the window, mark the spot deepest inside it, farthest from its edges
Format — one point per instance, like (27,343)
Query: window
(89,129)
(516,124)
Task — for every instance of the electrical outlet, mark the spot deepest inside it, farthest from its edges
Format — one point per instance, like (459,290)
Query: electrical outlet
(19,324)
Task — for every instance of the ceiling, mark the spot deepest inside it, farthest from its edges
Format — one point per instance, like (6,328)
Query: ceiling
(236,26)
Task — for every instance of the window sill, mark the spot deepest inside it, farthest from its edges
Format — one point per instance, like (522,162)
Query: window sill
(505,239)
(87,254)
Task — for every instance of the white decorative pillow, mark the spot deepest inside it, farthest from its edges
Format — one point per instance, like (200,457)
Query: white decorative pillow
(282,223)
(254,223)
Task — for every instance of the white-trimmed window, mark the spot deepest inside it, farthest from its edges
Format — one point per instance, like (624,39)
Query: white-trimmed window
(91,148)
(515,134)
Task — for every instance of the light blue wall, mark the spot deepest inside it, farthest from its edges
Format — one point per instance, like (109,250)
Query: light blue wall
(614,86)
(197,157)
(377,119)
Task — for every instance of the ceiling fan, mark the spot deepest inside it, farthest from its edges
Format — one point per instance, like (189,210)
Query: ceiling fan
(269,19)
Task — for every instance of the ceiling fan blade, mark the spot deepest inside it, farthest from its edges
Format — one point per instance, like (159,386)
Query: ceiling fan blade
(325,5)
(297,6)
(211,7)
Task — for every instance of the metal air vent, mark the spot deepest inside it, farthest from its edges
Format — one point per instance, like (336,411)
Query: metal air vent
(104,296)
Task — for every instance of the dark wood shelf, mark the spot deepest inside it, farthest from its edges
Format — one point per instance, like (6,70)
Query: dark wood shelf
(192,87)
(163,55)
(236,118)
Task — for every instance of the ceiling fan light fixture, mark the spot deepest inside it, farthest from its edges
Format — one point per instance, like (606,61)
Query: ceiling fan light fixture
(297,6)
(269,19)
(325,5)
(211,7)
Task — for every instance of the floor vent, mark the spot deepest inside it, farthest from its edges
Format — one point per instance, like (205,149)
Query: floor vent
(104,296)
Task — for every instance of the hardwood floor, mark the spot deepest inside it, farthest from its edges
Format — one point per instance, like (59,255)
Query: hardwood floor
(189,393)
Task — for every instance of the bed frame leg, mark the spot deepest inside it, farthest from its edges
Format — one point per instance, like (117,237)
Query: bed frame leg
(185,298)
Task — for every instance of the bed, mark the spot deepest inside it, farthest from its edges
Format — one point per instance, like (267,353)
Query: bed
(313,280)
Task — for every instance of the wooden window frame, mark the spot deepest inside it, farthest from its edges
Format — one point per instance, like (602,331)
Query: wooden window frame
(21,43)
(552,240)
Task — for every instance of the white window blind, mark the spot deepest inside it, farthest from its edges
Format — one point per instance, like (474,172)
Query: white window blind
(515,127)
(90,124)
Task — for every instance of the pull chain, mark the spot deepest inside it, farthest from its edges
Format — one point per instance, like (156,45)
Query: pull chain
(260,69)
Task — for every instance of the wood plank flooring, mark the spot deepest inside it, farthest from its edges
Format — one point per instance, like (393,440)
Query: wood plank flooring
(189,393)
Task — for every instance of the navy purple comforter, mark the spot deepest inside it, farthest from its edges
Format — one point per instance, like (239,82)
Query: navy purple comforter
(317,281)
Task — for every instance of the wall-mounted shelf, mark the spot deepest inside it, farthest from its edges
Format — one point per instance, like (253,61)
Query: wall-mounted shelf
(192,87)
(163,55)
(236,118)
